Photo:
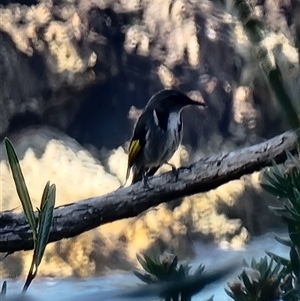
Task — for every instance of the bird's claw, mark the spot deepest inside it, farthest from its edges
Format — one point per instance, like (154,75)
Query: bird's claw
(175,172)
(145,181)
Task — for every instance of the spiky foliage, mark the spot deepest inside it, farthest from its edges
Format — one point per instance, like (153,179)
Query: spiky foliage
(259,283)
(165,268)
(284,182)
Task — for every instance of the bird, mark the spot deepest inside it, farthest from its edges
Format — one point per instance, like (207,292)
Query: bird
(157,135)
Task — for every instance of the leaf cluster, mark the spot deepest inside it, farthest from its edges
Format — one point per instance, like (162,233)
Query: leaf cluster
(284,182)
(166,268)
(259,283)
(39,226)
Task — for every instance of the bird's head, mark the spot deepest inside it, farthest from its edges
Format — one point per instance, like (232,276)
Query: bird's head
(171,100)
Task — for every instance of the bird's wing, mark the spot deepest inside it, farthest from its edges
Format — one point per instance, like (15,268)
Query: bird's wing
(161,119)
(137,143)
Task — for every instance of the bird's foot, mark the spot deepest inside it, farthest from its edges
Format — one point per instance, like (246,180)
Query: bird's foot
(175,172)
(145,181)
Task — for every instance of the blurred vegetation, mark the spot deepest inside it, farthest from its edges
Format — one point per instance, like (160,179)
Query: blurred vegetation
(256,32)
(260,283)
(166,268)
(268,279)
(284,182)
(278,278)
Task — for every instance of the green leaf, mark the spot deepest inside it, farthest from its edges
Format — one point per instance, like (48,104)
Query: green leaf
(150,265)
(172,267)
(276,167)
(278,269)
(20,185)
(154,268)
(294,230)
(296,201)
(277,209)
(293,215)
(273,190)
(181,271)
(248,284)
(147,278)
(285,241)
(295,261)
(3,289)
(45,222)
(186,269)
(291,295)
(229,293)
(142,262)
(44,196)
(267,268)
(275,180)
(291,157)
(200,269)
(288,219)
(268,291)
(278,259)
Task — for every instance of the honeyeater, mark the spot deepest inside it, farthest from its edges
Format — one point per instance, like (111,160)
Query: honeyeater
(157,134)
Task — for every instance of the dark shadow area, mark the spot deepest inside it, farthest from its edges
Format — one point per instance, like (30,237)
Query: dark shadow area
(21,2)
(108,103)
(24,87)
(135,81)
(21,121)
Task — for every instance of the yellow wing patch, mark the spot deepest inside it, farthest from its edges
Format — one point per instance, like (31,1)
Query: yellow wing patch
(134,149)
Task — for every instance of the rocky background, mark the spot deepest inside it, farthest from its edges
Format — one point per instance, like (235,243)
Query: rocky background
(75,75)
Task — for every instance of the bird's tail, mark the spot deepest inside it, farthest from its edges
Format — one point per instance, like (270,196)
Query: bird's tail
(138,174)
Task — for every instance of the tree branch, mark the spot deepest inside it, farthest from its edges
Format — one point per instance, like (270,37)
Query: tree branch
(206,174)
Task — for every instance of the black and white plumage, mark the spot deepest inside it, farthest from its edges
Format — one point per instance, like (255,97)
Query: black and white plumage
(157,134)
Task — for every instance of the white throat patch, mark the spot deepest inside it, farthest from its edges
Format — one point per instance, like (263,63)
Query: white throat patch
(174,120)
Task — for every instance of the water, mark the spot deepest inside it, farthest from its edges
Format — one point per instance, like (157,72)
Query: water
(108,287)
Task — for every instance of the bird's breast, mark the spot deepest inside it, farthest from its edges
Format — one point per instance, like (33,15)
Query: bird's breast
(174,122)
(161,145)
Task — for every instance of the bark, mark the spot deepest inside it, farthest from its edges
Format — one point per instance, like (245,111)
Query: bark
(206,174)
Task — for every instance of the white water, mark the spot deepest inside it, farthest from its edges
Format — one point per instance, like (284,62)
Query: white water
(105,288)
